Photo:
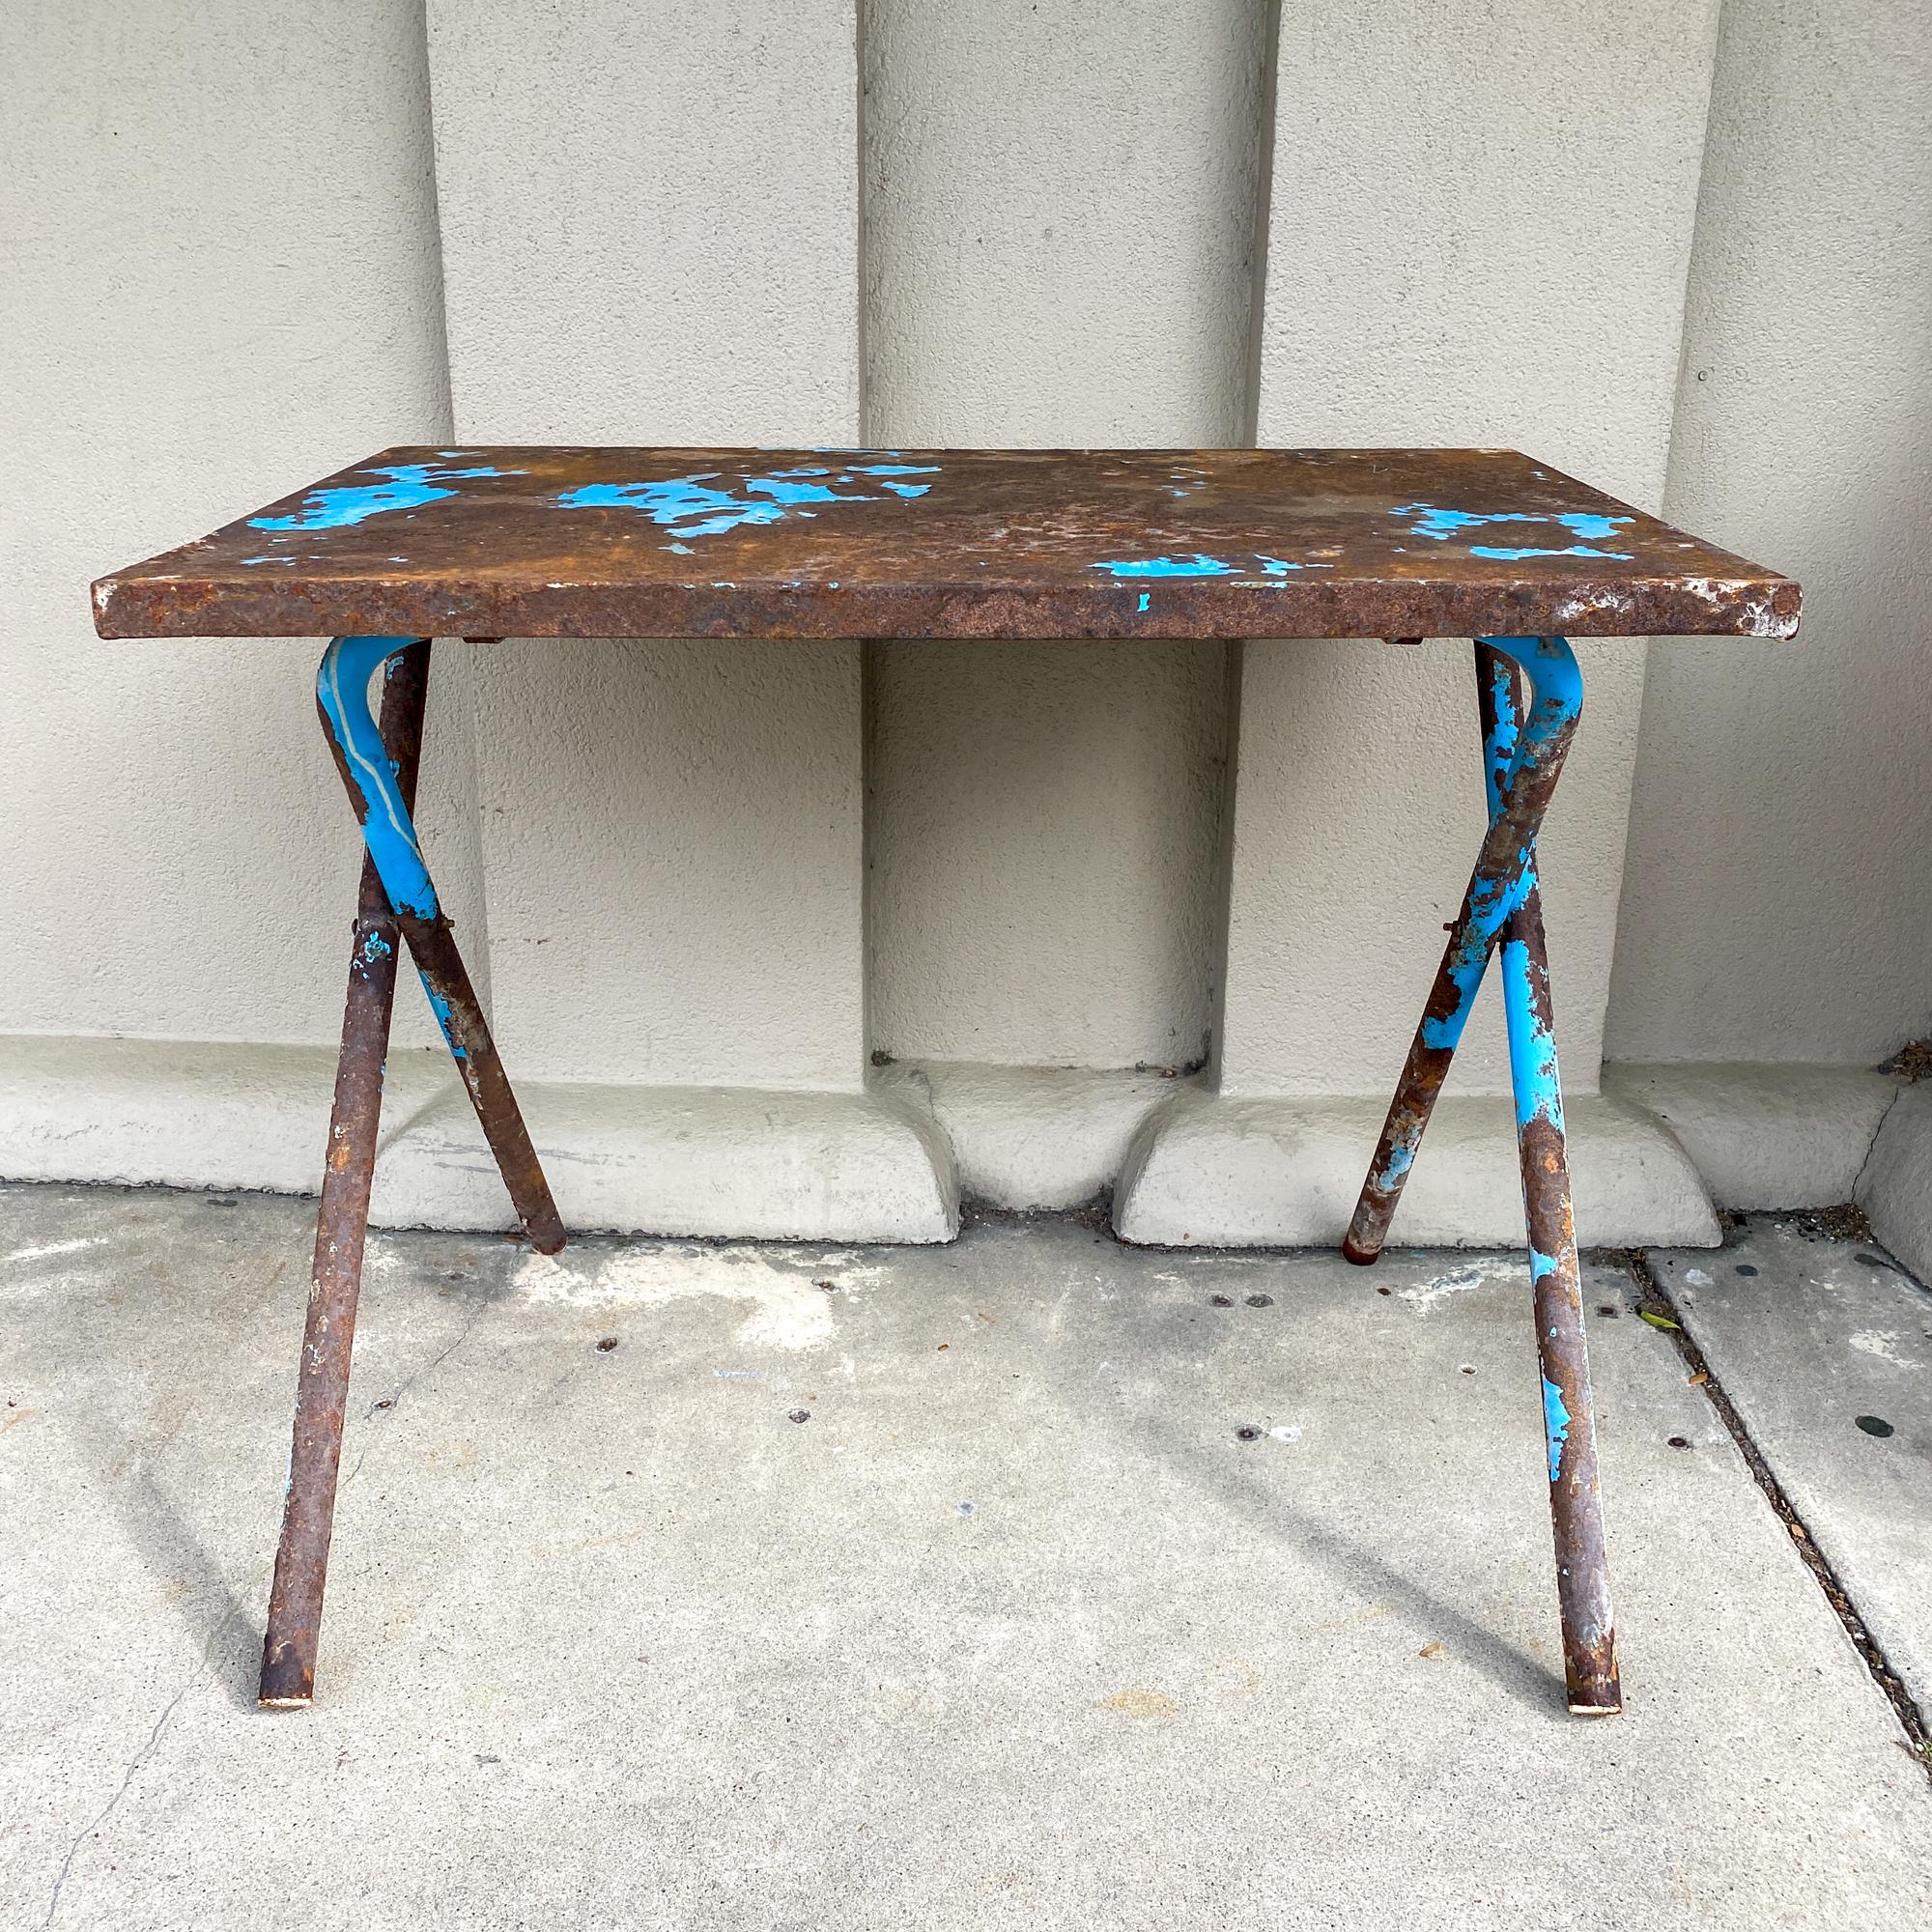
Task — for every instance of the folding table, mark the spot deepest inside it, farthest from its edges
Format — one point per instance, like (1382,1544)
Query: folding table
(491,543)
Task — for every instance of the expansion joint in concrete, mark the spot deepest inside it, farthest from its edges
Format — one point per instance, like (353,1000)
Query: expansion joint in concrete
(1656,1303)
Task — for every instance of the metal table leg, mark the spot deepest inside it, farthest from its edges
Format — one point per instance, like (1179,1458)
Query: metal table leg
(397,901)
(1521,766)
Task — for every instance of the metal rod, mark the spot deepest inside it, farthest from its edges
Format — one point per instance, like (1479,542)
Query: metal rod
(322,1385)
(1569,1427)
(387,829)
(1496,886)
(467,1032)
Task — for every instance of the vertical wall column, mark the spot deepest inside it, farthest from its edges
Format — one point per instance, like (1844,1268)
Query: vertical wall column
(1480,222)
(650,235)
(219,248)
(1781,842)
(1778,904)
(1060,220)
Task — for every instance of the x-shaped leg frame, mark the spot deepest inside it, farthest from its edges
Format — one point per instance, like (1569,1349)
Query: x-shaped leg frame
(397,905)
(1522,757)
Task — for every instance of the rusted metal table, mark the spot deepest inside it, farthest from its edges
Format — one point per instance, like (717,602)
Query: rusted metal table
(485,544)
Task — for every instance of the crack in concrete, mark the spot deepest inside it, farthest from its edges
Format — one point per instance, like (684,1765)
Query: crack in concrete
(1871,1146)
(410,1381)
(1654,1298)
(92,1826)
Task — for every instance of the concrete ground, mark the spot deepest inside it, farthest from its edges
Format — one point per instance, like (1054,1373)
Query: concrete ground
(1032,1581)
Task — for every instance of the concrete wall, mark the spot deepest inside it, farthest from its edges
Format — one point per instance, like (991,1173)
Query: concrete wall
(219,278)
(1057,254)
(1428,283)
(1781,837)
(650,235)
(1679,250)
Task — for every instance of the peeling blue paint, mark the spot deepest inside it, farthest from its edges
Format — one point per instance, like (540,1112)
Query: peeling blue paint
(1198,565)
(1395,1170)
(1166,566)
(1431,521)
(1555,1426)
(699,506)
(1558,693)
(342,686)
(374,947)
(1502,556)
(1145,600)
(444,1019)
(410,486)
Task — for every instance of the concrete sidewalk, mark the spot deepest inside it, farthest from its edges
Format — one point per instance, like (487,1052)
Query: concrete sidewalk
(1030,1582)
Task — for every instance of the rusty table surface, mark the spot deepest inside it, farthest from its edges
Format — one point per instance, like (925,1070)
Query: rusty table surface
(818,543)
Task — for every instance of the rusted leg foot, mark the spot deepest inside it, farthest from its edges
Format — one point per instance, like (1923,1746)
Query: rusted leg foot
(342,694)
(322,1389)
(1570,1429)
(1494,888)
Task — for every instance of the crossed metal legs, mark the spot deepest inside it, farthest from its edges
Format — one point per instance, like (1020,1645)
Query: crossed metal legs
(397,903)
(1522,761)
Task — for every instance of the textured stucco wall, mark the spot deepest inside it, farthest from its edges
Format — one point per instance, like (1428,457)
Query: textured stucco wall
(1777,902)
(231,242)
(1059,214)
(218,280)
(1479,225)
(650,235)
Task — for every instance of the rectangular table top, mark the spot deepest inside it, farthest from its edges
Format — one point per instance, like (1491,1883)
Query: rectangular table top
(944,543)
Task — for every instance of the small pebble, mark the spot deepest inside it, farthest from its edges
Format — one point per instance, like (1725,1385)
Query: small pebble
(799,1415)
(1248,1433)
(609,1343)
(1220,1302)
(1261,1301)
(1744,1268)
(1679,1442)
(1873,1425)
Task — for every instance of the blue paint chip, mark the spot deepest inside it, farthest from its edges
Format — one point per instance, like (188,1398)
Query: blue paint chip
(1166,566)
(408,486)
(1431,521)
(699,505)
(444,1019)
(1555,1426)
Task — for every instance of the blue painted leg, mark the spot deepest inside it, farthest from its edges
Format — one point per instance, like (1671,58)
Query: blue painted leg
(342,694)
(1522,761)
(1575,1500)
(1500,877)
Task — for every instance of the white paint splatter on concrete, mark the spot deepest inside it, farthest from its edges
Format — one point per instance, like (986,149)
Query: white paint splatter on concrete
(787,1308)
(1696,1277)
(1882,1342)
(1286,1431)
(1460,1280)
(47,1250)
